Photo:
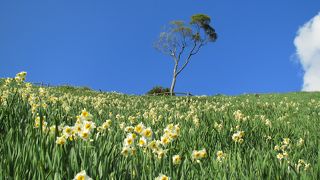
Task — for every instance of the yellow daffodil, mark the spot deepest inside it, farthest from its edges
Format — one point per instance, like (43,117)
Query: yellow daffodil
(162,177)
(147,132)
(61,140)
(176,159)
(82,176)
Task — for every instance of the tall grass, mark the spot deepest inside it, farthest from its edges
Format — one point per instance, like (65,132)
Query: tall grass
(29,152)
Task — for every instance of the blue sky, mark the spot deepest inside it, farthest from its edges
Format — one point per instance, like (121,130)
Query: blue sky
(108,45)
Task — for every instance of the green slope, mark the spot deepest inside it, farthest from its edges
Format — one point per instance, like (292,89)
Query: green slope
(267,136)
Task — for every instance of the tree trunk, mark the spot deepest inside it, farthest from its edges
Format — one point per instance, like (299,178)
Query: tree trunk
(174,78)
(173,84)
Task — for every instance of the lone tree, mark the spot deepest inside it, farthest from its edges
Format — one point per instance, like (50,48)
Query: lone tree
(182,41)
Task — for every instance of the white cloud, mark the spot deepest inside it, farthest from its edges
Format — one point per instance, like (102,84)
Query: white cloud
(307,43)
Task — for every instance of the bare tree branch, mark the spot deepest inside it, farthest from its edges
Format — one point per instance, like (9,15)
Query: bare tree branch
(199,47)
(188,58)
(180,53)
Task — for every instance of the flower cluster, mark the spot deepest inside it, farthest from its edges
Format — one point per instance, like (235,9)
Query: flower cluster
(40,121)
(238,137)
(83,128)
(171,132)
(198,154)
(239,116)
(220,156)
(20,77)
(302,165)
(128,145)
(143,137)
(105,126)
(218,126)
(282,150)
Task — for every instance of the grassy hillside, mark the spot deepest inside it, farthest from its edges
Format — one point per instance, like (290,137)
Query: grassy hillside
(55,133)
